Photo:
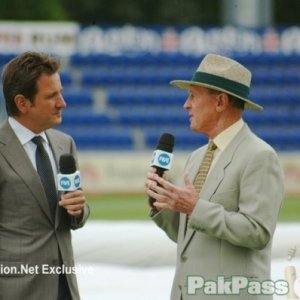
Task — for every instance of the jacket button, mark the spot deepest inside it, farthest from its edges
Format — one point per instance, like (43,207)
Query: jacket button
(184,258)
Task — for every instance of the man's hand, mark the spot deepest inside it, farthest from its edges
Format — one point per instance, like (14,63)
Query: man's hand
(73,202)
(167,195)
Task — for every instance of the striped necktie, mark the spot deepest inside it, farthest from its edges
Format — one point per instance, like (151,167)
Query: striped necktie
(203,171)
(205,166)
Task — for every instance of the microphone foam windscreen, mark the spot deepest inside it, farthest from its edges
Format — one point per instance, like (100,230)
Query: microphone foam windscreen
(166,142)
(67,164)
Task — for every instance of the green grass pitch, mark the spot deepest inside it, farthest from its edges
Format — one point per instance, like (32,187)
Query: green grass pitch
(135,207)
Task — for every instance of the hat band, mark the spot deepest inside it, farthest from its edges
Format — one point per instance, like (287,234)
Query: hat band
(231,86)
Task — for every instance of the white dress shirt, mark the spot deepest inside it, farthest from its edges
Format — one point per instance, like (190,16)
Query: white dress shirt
(223,139)
(25,135)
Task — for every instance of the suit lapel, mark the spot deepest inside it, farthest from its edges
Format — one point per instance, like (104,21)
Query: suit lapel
(17,158)
(192,168)
(57,150)
(56,147)
(215,177)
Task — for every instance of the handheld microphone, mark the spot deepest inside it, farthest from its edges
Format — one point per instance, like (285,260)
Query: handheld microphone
(69,178)
(162,157)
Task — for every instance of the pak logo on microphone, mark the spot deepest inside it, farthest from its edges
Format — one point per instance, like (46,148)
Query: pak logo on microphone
(162,159)
(65,183)
(77,182)
(68,182)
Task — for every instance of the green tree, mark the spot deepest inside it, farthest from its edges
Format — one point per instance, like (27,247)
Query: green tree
(143,12)
(32,10)
(286,12)
(177,12)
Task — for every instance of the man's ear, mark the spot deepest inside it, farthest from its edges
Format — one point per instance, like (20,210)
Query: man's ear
(22,103)
(222,102)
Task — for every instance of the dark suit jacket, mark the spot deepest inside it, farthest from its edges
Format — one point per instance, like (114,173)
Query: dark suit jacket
(231,228)
(30,240)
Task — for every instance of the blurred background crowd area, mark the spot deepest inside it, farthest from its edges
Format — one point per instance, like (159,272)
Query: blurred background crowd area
(160,12)
(119,56)
(117,60)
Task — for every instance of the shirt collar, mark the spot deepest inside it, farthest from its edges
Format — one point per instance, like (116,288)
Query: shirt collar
(223,139)
(23,133)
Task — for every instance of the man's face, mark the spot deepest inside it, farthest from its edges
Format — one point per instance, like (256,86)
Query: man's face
(201,106)
(46,110)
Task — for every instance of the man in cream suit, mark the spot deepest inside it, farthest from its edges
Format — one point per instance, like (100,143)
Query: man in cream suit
(224,230)
(36,255)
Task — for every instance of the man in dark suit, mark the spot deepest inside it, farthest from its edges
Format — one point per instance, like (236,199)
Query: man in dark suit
(224,213)
(35,239)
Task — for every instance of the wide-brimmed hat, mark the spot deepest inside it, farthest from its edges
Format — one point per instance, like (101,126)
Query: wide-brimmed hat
(222,74)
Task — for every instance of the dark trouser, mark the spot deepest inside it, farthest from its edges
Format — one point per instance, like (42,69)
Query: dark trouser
(63,288)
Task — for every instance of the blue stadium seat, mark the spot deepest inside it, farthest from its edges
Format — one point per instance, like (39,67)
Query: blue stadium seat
(146,96)
(90,78)
(184,139)
(5,58)
(66,78)
(85,118)
(146,117)
(140,98)
(103,140)
(282,140)
(78,97)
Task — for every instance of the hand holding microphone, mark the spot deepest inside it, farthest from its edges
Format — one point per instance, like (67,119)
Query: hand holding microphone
(163,194)
(162,157)
(69,183)
(68,178)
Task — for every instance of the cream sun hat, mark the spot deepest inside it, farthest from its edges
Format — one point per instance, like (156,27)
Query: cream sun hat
(222,74)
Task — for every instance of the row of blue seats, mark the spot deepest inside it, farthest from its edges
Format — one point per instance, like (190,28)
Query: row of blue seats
(275,75)
(175,59)
(276,95)
(103,141)
(163,75)
(140,104)
(88,117)
(135,85)
(283,96)
(124,140)
(81,60)
(136,76)
(150,96)
(280,140)
(82,97)
(103,137)
(172,59)
(267,69)
(148,116)
(5,58)
(96,142)
(277,117)
(146,96)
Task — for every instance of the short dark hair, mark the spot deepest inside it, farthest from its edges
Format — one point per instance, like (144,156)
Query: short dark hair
(21,74)
(236,102)
(233,100)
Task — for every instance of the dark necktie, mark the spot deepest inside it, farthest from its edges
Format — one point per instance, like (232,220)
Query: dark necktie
(45,172)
